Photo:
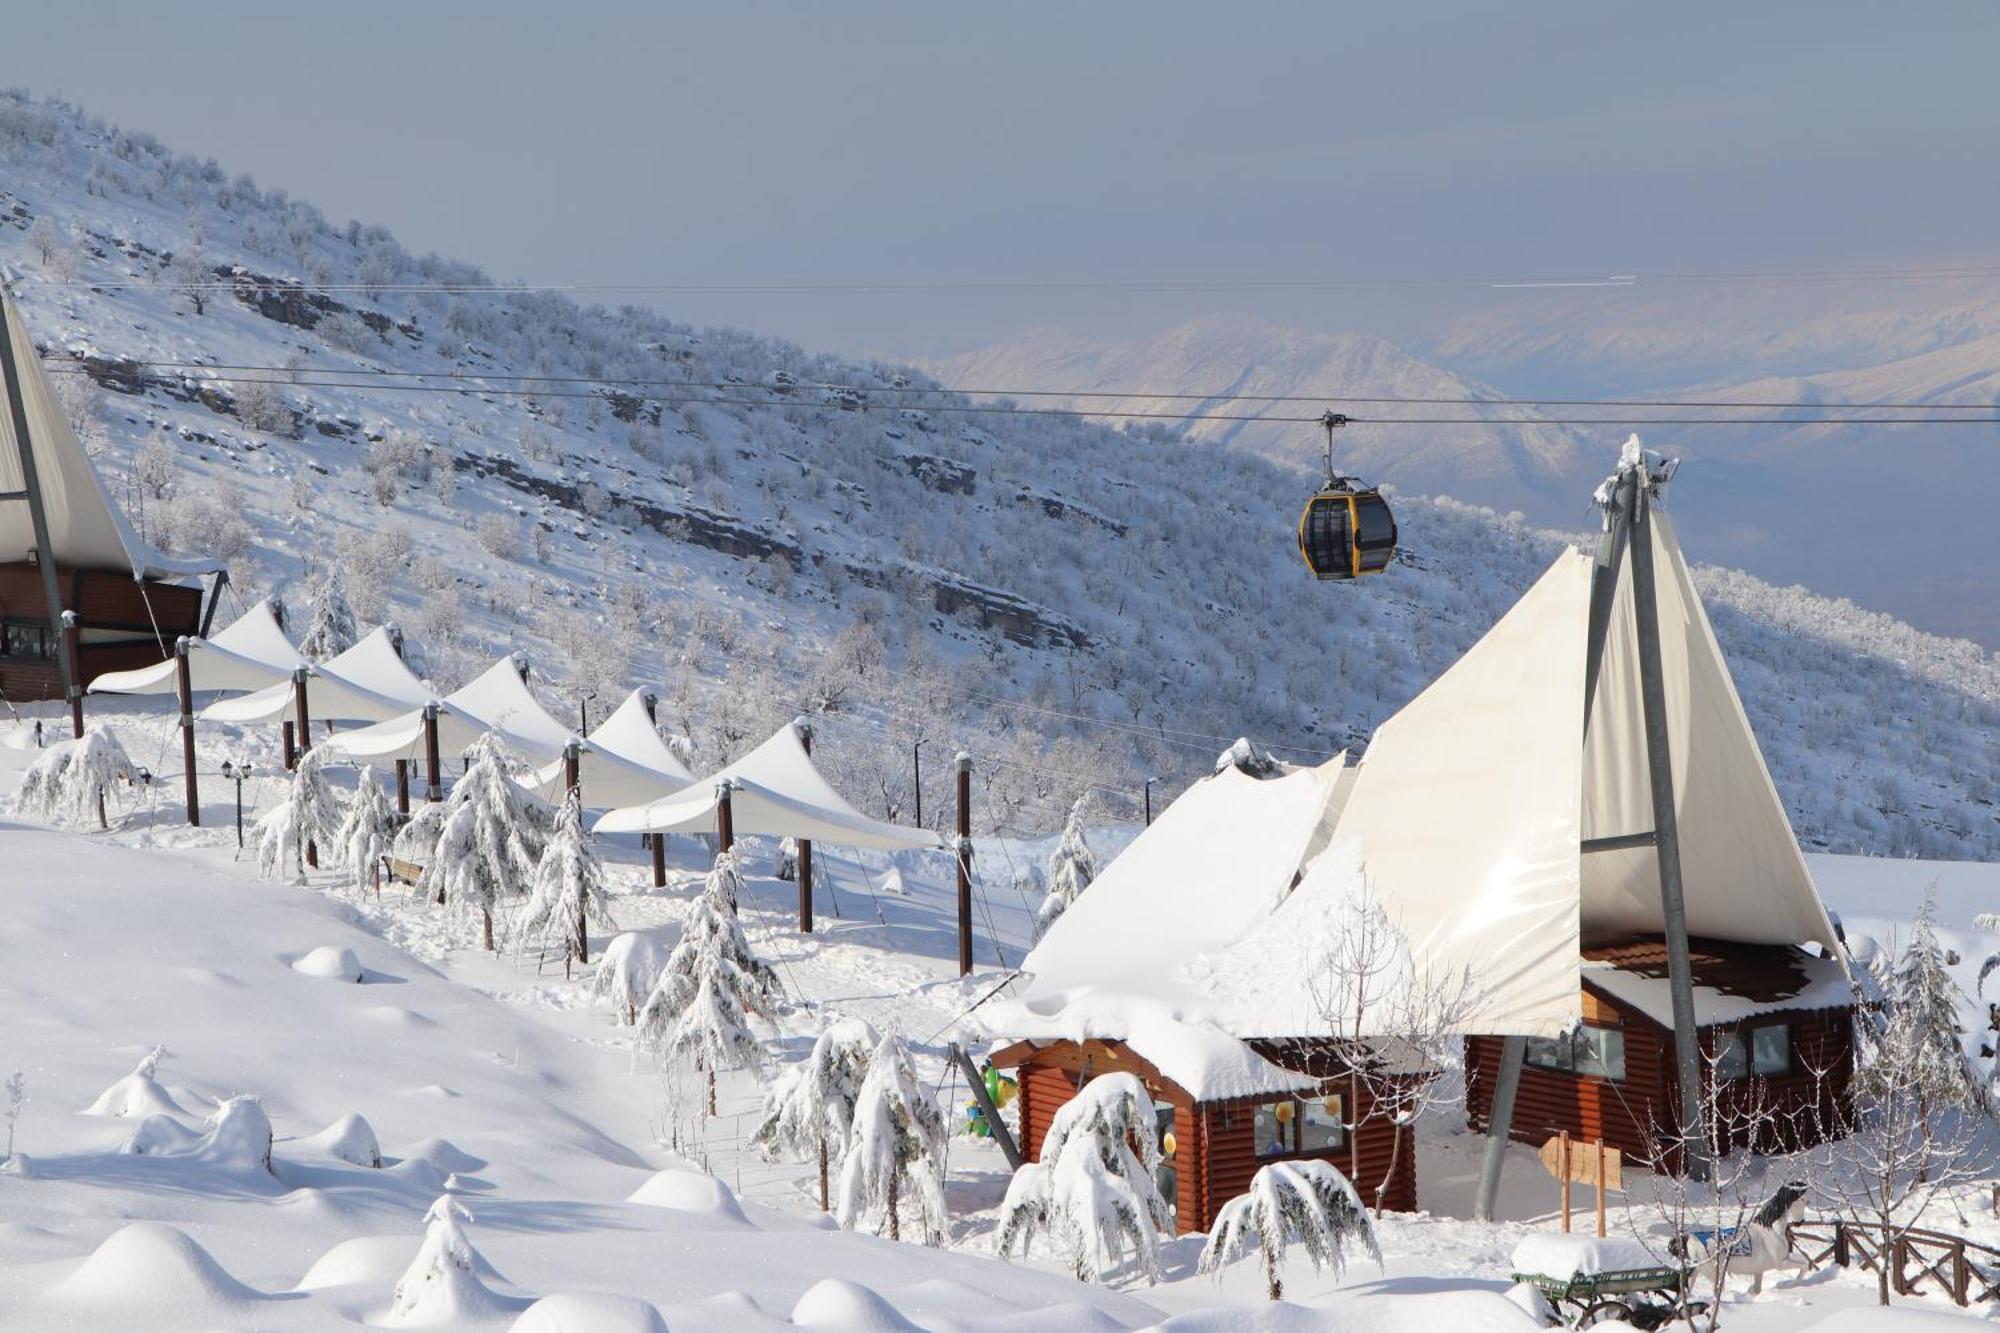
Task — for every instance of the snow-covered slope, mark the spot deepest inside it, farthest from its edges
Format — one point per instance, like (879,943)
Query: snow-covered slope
(1535,468)
(628,498)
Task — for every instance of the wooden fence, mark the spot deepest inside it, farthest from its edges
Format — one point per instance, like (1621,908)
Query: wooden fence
(1962,1269)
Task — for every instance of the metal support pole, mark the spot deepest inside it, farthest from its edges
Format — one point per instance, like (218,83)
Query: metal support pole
(184,687)
(73,642)
(805,866)
(402,786)
(917,778)
(1008,1148)
(433,778)
(304,718)
(725,821)
(1149,801)
(1666,835)
(45,555)
(1499,1124)
(962,854)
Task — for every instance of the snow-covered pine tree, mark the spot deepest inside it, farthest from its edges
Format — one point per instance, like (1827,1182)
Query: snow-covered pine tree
(895,1148)
(367,829)
(441,1286)
(330,625)
(68,785)
(1306,1201)
(1917,1050)
(567,896)
(786,866)
(309,814)
(487,848)
(712,986)
(1093,1190)
(1071,868)
(809,1111)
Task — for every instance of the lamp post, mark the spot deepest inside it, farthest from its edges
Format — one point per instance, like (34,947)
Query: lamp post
(917,773)
(239,773)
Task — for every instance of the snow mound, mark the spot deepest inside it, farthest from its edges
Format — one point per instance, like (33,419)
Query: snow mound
(1878,1320)
(375,1261)
(847,1307)
(445,1155)
(330,962)
(237,1140)
(153,1265)
(351,1139)
(588,1312)
(442,1287)
(690,1192)
(138,1093)
(1567,1256)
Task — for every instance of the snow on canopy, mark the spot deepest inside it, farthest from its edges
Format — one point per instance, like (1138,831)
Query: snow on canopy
(774,790)
(498,700)
(1471,804)
(368,683)
(251,653)
(624,762)
(86,530)
(1130,960)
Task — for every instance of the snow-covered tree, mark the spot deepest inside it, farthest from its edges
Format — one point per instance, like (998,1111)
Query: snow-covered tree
(308,817)
(441,1286)
(367,829)
(786,866)
(895,1148)
(1917,1049)
(626,972)
(1071,868)
(1092,1192)
(1305,1201)
(68,785)
(567,896)
(330,626)
(809,1111)
(487,850)
(712,986)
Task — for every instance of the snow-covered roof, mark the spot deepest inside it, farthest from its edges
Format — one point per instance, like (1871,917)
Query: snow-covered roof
(775,790)
(251,653)
(1202,1059)
(624,762)
(498,700)
(1782,979)
(86,530)
(369,682)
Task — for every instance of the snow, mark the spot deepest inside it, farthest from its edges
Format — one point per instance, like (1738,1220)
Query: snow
(154,1271)
(1824,986)
(1559,1256)
(330,962)
(588,1312)
(693,1192)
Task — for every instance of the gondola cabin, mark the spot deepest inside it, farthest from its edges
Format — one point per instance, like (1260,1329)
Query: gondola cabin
(1347,534)
(1776,1026)
(1213,1139)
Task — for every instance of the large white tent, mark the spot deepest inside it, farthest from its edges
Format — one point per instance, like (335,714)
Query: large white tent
(86,531)
(369,682)
(624,761)
(498,700)
(775,790)
(250,653)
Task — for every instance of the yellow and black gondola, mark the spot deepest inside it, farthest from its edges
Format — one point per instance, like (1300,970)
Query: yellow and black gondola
(1347,530)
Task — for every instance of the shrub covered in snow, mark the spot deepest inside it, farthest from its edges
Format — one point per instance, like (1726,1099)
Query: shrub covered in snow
(309,816)
(1092,1193)
(487,849)
(1305,1201)
(567,895)
(627,971)
(809,1111)
(712,986)
(441,1285)
(70,782)
(366,830)
(894,1157)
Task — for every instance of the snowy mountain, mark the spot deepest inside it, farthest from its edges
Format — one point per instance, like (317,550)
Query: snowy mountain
(766,531)
(1535,468)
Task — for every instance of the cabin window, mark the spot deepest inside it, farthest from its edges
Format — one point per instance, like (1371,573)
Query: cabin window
(1306,1126)
(28,639)
(1731,1060)
(1596,1052)
(1768,1053)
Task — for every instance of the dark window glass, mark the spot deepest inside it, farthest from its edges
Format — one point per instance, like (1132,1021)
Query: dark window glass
(1731,1062)
(1771,1050)
(1597,1052)
(26,639)
(1375,532)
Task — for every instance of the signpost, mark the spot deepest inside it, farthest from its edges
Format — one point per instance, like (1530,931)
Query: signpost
(1584,1164)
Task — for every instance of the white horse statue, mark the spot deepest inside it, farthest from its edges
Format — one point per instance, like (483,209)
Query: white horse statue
(1759,1246)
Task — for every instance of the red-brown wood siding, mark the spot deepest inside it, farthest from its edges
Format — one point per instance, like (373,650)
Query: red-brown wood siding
(1630,1113)
(124,624)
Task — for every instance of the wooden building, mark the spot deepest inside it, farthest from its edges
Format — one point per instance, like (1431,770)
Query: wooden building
(130,601)
(1776,1026)
(1218,1143)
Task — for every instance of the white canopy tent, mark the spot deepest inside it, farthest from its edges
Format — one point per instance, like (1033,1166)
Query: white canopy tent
(86,531)
(774,790)
(369,682)
(624,761)
(250,653)
(498,700)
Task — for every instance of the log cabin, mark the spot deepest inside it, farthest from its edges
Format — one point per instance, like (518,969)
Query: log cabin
(1776,1026)
(130,600)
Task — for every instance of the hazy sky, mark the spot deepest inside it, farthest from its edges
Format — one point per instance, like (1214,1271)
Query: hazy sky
(925,143)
